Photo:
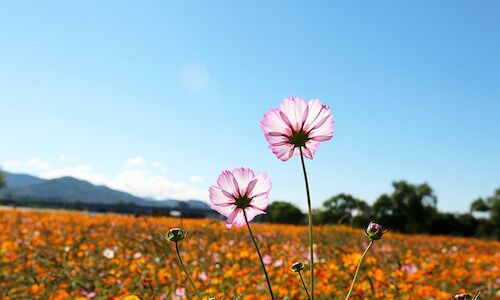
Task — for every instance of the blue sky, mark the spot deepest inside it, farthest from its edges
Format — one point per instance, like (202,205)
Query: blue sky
(157,97)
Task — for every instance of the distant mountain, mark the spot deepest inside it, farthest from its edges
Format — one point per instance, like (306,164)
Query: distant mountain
(20,180)
(197,204)
(188,204)
(69,189)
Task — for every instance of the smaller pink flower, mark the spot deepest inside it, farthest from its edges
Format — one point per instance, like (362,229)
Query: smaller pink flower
(179,294)
(240,192)
(89,295)
(307,256)
(409,269)
(267,259)
(278,263)
(108,253)
(202,276)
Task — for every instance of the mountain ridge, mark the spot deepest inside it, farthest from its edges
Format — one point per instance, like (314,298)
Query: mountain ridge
(70,189)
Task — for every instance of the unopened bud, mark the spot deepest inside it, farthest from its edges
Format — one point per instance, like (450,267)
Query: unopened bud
(174,235)
(297,266)
(374,231)
(462,296)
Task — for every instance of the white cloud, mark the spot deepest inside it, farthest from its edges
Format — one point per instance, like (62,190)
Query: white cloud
(135,162)
(159,166)
(196,179)
(147,181)
(37,163)
(63,157)
(25,166)
(156,164)
(84,172)
(12,164)
(194,77)
(143,182)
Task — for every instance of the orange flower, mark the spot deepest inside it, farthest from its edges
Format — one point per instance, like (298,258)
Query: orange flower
(397,267)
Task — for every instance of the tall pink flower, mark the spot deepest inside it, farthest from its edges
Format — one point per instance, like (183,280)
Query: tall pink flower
(296,124)
(238,191)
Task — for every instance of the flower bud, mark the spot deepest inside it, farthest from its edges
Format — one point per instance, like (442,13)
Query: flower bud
(174,235)
(462,296)
(297,266)
(374,231)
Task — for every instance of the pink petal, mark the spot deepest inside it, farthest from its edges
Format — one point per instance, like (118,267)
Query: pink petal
(243,177)
(224,210)
(218,197)
(307,153)
(286,120)
(274,140)
(250,187)
(272,122)
(281,151)
(227,182)
(236,219)
(273,133)
(262,186)
(260,202)
(294,151)
(318,114)
(252,213)
(310,148)
(296,110)
(230,218)
(325,130)
(322,138)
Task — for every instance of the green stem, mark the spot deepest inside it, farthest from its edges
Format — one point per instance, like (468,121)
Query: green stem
(477,295)
(186,272)
(304,285)
(310,218)
(260,255)
(357,269)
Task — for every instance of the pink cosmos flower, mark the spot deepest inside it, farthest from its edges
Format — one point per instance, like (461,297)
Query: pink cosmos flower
(89,295)
(409,269)
(267,259)
(296,124)
(278,263)
(179,294)
(238,191)
(202,276)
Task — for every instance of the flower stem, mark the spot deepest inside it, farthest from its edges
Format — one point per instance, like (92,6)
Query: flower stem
(310,218)
(357,269)
(186,272)
(260,255)
(477,295)
(304,285)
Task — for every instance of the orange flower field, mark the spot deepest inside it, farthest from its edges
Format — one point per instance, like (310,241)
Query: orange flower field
(73,255)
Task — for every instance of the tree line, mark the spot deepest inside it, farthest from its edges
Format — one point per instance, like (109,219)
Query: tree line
(409,208)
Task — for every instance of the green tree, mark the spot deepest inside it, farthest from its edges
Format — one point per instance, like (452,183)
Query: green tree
(494,204)
(479,205)
(345,209)
(2,180)
(283,213)
(409,208)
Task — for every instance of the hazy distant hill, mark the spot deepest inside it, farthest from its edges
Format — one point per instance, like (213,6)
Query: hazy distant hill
(69,189)
(21,180)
